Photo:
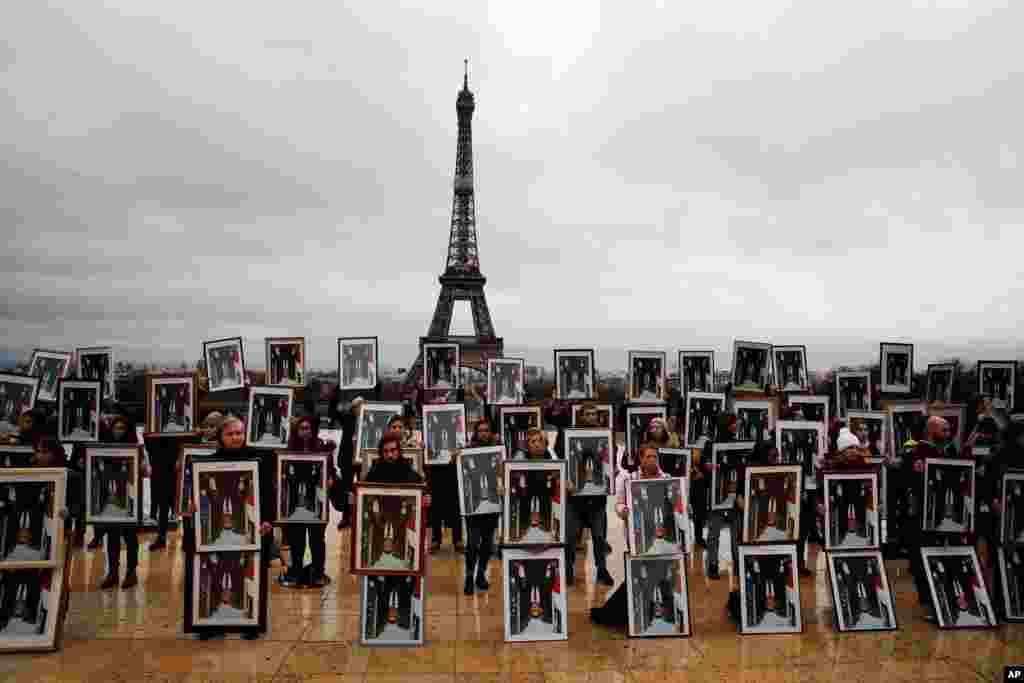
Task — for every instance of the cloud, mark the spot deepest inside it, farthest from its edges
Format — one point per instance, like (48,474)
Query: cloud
(671,176)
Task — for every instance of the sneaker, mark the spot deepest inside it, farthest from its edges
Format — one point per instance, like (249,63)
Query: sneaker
(130,580)
(158,544)
(805,572)
(481,582)
(467,588)
(605,578)
(435,548)
(110,582)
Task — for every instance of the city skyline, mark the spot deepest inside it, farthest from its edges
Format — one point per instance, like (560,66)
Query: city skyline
(689,175)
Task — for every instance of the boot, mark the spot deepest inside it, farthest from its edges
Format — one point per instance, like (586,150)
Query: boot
(467,589)
(111,581)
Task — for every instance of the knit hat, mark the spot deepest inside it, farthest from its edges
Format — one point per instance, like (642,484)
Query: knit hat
(847,439)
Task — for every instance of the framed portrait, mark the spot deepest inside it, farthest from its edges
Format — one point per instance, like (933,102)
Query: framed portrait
(226,589)
(113,485)
(225,364)
(392,610)
(755,420)
(506,381)
(78,409)
(535,600)
(997,380)
(638,418)
(441,365)
(186,454)
(412,456)
(811,408)
(479,472)
(170,404)
(286,361)
(574,374)
(801,443)
(696,371)
(605,415)
(227,514)
(387,533)
(588,453)
(269,411)
(358,362)
(513,424)
(1010,560)
(31,608)
(1011,492)
(957,585)
(873,429)
(751,366)
(373,422)
(940,382)
(702,413)
(862,599)
(675,462)
(97,362)
(31,530)
(897,364)
(726,459)
(853,392)
(948,496)
(772,512)
(49,367)
(17,394)
(955,415)
(769,589)
(791,368)
(901,419)
(658,516)
(16,456)
(648,377)
(658,597)
(533,508)
(852,511)
(444,427)
(302,488)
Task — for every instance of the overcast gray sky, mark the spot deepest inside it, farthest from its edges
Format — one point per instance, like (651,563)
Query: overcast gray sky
(680,175)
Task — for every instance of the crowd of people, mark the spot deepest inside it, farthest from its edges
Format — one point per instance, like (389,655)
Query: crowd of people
(994,442)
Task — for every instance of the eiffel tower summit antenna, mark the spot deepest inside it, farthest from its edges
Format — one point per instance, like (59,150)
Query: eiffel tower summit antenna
(461,279)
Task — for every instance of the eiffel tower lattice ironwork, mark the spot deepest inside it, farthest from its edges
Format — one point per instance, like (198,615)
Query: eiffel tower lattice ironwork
(462,280)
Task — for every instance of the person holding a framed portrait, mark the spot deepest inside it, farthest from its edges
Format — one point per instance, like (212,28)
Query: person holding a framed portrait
(615,611)
(934,446)
(303,439)
(480,528)
(719,519)
(984,447)
(231,446)
(344,415)
(119,432)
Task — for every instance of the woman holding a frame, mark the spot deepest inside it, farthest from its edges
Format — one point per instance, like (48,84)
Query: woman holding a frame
(231,446)
(303,439)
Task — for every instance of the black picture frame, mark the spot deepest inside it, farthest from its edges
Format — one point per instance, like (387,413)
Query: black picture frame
(373,381)
(741,374)
(880,606)
(589,383)
(688,375)
(906,374)
(224,386)
(1009,403)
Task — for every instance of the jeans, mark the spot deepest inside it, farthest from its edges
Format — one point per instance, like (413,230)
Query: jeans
(480,544)
(296,537)
(131,541)
(586,511)
(444,502)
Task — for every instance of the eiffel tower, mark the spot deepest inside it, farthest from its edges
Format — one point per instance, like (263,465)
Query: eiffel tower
(462,280)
